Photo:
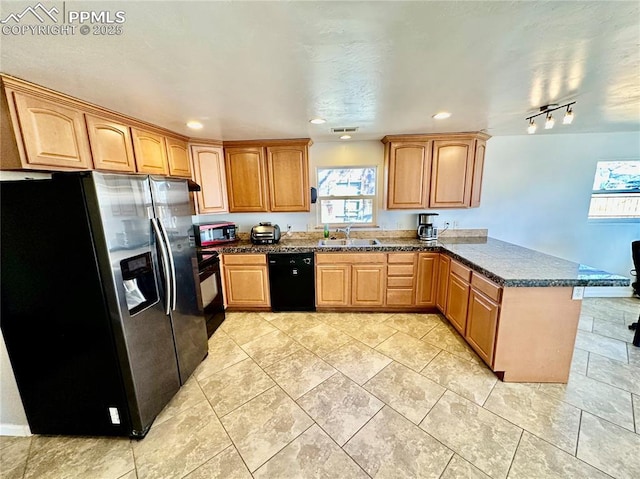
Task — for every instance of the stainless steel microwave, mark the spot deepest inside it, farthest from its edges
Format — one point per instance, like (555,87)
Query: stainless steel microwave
(216,232)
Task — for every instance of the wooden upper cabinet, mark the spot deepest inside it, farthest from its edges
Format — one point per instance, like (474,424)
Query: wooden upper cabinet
(53,135)
(269,175)
(434,170)
(208,172)
(150,151)
(111,144)
(408,174)
(288,178)
(246,179)
(178,158)
(451,173)
(478,167)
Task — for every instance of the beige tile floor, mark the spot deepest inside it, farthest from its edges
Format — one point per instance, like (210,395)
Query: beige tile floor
(296,395)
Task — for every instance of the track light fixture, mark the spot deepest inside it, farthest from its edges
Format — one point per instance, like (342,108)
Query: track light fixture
(549,120)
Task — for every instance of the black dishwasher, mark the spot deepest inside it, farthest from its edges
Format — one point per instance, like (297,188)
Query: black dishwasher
(291,281)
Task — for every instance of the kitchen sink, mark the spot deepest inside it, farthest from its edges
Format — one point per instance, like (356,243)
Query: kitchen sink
(349,242)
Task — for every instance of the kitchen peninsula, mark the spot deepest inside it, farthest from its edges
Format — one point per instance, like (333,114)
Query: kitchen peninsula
(514,306)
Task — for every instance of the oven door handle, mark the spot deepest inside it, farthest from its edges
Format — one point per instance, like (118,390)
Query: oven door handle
(165,264)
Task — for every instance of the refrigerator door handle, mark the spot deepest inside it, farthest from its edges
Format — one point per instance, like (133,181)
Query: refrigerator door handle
(165,264)
(174,286)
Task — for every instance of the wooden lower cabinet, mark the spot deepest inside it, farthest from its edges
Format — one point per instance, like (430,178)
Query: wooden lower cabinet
(427,279)
(443,283)
(367,284)
(333,285)
(401,280)
(246,280)
(350,280)
(482,321)
(457,302)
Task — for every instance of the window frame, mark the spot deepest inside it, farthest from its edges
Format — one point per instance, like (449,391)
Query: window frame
(620,194)
(373,198)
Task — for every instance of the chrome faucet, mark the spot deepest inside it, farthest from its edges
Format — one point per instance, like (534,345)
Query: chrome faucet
(346,230)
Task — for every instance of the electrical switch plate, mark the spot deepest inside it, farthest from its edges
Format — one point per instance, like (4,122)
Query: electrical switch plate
(578,292)
(115,415)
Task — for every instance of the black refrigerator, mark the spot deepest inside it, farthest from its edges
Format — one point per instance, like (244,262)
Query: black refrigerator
(99,309)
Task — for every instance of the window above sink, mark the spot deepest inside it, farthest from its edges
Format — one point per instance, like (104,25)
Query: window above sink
(347,195)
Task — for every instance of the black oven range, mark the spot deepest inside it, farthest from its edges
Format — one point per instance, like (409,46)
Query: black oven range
(210,289)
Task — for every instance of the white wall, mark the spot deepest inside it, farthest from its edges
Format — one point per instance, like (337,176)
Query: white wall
(536,193)
(13,421)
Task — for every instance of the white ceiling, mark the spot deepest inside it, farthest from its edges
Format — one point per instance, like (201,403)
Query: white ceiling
(263,69)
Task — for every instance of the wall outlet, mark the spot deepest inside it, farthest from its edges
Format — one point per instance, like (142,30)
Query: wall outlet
(578,292)
(455,224)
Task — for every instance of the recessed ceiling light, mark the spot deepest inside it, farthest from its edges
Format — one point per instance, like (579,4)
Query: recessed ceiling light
(345,137)
(194,125)
(441,115)
(318,121)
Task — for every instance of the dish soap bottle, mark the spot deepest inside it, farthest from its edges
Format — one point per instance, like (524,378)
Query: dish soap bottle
(326,231)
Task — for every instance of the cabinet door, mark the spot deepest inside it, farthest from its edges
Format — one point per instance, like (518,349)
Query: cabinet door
(427,279)
(111,144)
(178,158)
(53,135)
(368,284)
(246,183)
(246,285)
(333,285)
(482,322)
(451,173)
(208,172)
(457,301)
(408,175)
(478,167)
(443,283)
(288,175)
(150,151)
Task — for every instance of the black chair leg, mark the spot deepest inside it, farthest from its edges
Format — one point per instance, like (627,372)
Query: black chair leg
(636,337)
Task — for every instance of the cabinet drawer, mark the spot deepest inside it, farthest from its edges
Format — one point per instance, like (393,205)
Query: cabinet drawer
(399,297)
(401,257)
(399,282)
(351,258)
(400,270)
(244,259)
(461,271)
(489,288)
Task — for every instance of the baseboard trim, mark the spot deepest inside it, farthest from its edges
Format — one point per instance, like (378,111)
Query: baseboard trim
(14,430)
(608,292)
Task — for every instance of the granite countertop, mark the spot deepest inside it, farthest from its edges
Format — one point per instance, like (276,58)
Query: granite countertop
(506,264)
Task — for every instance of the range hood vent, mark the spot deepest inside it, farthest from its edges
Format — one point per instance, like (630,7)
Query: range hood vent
(345,129)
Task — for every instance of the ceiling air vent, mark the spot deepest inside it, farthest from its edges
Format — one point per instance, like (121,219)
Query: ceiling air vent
(345,129)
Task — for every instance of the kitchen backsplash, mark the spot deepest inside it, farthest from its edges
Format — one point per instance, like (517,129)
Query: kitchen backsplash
(355,233)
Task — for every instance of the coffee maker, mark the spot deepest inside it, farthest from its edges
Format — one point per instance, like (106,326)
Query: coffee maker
(426,227)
